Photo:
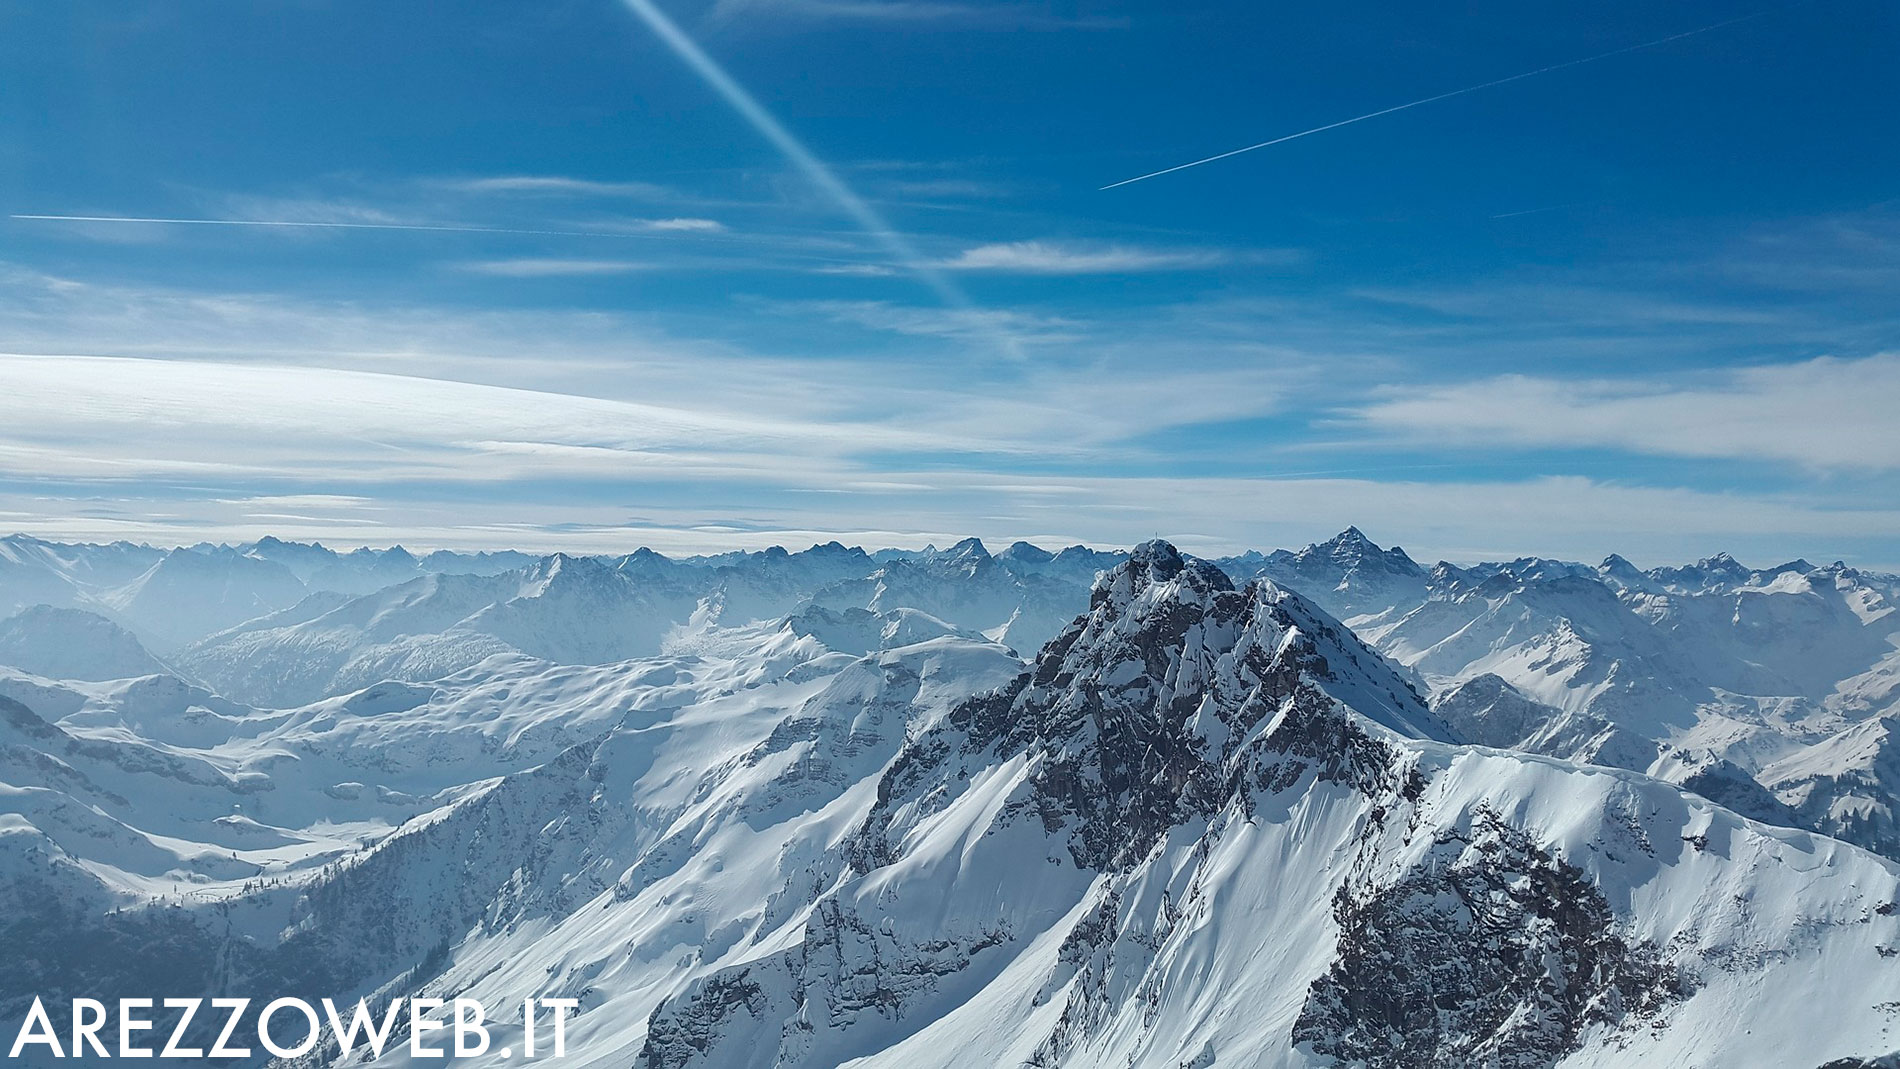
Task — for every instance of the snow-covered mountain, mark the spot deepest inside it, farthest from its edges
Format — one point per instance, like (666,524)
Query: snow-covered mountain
(72,644)
(581,610)
(1207,825)
(190,592)
(965,586)
(566,610)
(1487,711)
(1707,674)
(1205,805)
(1348,574)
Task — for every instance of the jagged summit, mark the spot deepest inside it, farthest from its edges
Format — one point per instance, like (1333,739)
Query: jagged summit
(1157,562)
(1349,574)
(1351,548)
(1169,630)
(559,571)
(1026,553)
(824,808)
(1710,574)
(968,549)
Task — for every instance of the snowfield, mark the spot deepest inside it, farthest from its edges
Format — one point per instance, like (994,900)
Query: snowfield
(948,808)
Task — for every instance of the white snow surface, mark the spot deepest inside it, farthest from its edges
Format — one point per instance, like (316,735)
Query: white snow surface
(652,785)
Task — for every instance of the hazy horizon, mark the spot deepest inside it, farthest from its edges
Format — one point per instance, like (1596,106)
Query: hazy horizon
(721,273)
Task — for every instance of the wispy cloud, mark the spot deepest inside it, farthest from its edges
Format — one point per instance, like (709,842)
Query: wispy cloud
(686,225)
(583,410)
(926,189)
(1059,258)
(856,270)
(1463,520)
(308,225)
(1825,413)
(1603,306)
(210,421)
(966,323)
(557,185)
(1015,14)
(541,268)
(815,170)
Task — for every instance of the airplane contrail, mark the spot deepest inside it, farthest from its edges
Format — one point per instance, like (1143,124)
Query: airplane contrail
(1434,99)
(814,169)
(324,225)
(1534,211)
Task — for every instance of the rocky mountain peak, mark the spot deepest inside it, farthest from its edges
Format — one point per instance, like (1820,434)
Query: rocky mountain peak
(1155,581)
(1351,552)
(1026,553)
(1136,713)
(968,549)
(562,570)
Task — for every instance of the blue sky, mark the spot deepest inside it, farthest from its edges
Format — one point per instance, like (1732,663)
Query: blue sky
(1643,304)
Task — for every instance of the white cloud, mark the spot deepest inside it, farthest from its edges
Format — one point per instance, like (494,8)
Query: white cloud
(975,324)
(1057,258)
(687,225)
(557,185)
(1011,14)
(540,268)
(856,270)
(944,188)
(354,421)
(1824,413)
(306,209)
(118,418)
(1463,521)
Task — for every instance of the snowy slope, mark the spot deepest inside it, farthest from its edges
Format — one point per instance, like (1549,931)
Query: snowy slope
(1703,674)
(967,587)
(1349,575)
(1208,825)
(1169,845)
(1847,785)
(1488,711)
(189,593)
(72,644)
(331,643)
(578,610)
(33,572)
(562,609)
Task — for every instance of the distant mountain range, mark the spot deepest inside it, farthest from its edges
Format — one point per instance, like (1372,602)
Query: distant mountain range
(1324,807)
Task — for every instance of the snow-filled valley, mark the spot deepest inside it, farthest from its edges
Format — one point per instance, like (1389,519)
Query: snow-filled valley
(1325,807)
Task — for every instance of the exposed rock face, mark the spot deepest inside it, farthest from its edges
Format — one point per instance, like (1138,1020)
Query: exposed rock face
(1207,827)
(1724,783)
(1491,952)
(1487,711)
(1846,786)
(1146,712)
(1348,574)
(1009,601)
(1174,698)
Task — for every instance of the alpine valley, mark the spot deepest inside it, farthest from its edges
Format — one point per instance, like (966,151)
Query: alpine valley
(952,808)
